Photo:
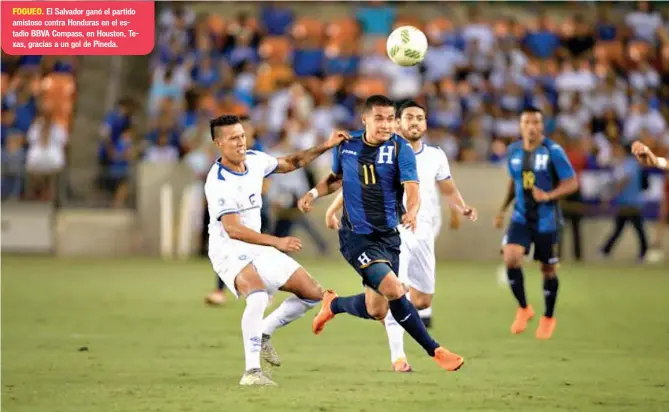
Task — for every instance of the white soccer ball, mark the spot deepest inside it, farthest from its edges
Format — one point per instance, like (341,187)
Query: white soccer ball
(406,46)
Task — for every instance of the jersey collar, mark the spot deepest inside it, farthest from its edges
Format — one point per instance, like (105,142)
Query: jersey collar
(364,140)
(221,167)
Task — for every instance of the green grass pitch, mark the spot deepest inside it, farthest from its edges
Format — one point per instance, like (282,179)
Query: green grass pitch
(134,336)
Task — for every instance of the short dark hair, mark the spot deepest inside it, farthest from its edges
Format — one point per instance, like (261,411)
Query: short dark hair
(531,109)
(221,121)
(377,100)
(407,105)
(244,118)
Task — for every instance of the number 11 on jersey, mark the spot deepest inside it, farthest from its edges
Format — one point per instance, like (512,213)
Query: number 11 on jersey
(368,175)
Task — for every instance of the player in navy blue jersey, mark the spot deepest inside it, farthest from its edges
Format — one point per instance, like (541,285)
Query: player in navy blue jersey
(376,167)
(540,174)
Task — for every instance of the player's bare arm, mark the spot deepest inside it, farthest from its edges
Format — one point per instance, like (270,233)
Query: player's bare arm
(565,188)
(331,220)
(448,188)
(508,199)
(287,164)
(328,185)
(412,190)
(236,230)
(646,157)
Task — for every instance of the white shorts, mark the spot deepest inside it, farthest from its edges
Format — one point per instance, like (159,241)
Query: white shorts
(273,266)
(417,260)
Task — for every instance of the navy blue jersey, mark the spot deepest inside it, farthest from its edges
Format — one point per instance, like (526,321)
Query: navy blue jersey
(372,181)
(544,168)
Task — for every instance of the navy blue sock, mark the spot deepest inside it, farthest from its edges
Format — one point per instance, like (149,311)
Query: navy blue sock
(550,295)
(219,284)
(407,316)
(517,284)
(353,305)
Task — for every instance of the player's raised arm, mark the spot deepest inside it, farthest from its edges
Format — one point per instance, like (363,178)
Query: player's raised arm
(565,172)
(406,162)
(646,157)
(301,159)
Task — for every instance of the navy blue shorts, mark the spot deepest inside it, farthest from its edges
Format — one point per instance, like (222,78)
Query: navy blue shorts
(363,252)
(545,243)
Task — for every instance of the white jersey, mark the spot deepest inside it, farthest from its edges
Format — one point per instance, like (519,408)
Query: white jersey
(233,192)
(432,166)
(417,258)
(241,193)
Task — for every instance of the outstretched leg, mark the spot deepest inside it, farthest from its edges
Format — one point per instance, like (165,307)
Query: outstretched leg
(306,294)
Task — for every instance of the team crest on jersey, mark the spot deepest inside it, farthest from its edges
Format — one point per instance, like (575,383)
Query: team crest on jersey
(221,202)
(243,257)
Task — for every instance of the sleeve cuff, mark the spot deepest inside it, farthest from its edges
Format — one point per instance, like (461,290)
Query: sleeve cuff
(276,166)
(226,212)
(409,181)
(444,178)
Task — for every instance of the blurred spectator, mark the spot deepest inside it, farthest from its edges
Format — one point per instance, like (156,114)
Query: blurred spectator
(578,152)
(276,19)
(644,22)
(13,165)
(580,38)
(164,87)
(45,157)
(284,192)
(161,151)
(7,122)
(542,42)
(627,196)
(118,172)
(116,122)
(376,18)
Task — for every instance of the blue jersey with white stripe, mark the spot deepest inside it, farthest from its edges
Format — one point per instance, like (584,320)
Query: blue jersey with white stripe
(544,168)
(372,181)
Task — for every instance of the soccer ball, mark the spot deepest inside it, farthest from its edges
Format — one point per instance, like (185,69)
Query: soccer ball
(406,46)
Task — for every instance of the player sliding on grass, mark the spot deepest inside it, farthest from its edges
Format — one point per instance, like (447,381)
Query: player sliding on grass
(417,258)
(375,167)
(647,158)
(250,263)
(540,174)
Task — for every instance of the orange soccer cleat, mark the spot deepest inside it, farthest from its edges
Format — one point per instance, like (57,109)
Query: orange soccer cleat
(325,314)
(401,365)
(546,327)
(448,360)
(215,298)
(523,315)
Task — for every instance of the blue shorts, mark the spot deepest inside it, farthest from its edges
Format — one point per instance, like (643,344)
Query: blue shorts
(366,252)
(545,243)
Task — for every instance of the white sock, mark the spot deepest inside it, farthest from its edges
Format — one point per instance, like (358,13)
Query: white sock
(425,313)
(256,303)
(395,338)
(290,310)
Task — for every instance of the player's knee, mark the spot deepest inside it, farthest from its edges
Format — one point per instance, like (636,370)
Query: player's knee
(393,291)
(378,312)
(421,301)
(513,256)
(548,271)
(513,260)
